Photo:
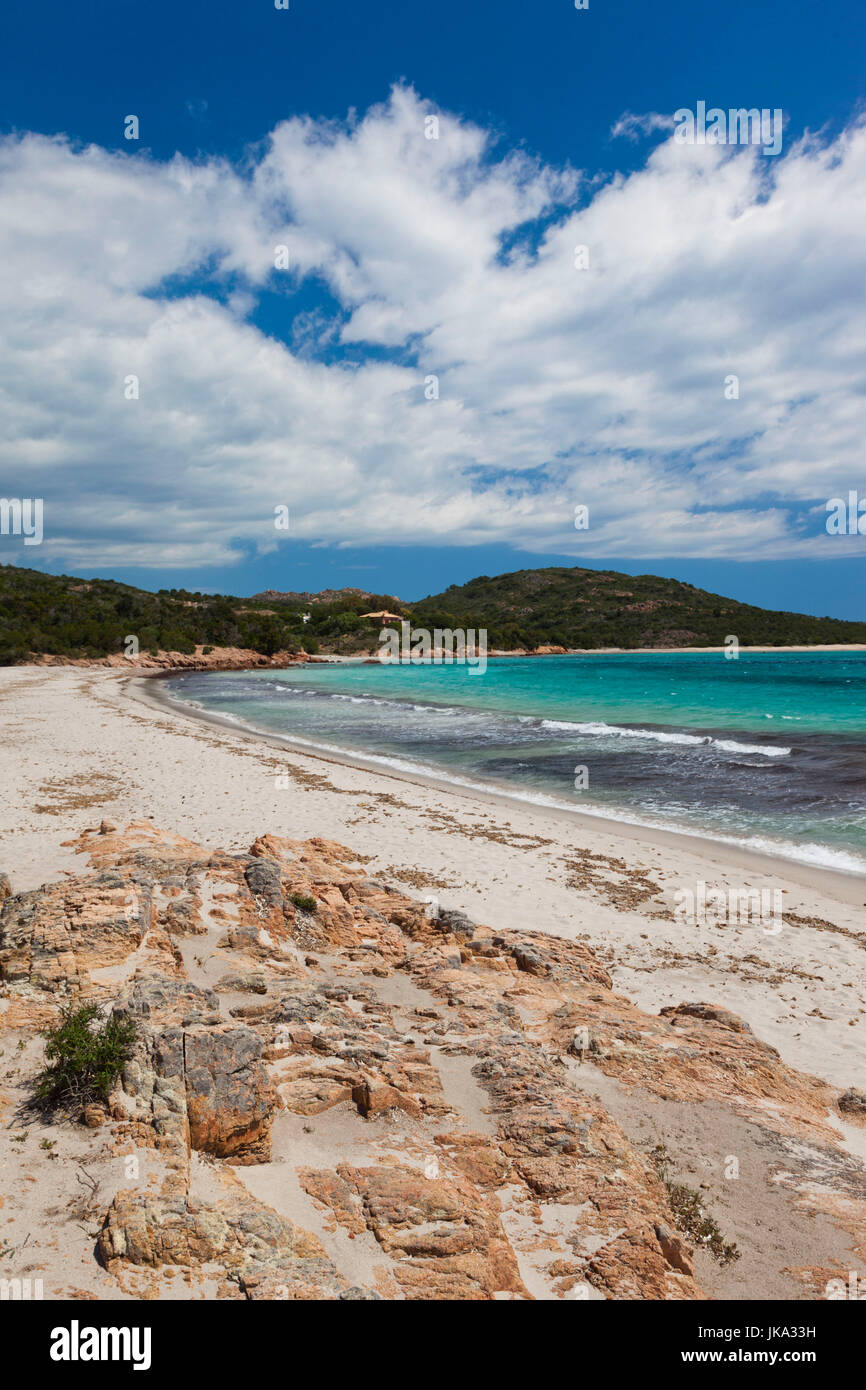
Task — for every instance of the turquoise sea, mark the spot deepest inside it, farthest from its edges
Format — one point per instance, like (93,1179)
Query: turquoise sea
(766,749)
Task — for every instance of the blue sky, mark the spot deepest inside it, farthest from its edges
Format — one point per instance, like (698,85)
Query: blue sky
(545,75)
(306,389)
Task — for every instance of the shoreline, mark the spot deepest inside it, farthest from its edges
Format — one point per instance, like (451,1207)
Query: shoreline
(172,663)
(81,746)
(737,853)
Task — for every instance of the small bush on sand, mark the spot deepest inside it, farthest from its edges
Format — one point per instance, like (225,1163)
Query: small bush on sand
(303,901)
(84,1056)
(690,1215)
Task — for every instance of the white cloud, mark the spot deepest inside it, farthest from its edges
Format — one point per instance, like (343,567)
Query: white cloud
(633,126)
(558,386)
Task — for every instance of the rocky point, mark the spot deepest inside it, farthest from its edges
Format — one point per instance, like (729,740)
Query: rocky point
(334,1095)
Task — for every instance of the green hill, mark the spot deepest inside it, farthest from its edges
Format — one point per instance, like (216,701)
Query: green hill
(64,616)
(603,608)
(68,617)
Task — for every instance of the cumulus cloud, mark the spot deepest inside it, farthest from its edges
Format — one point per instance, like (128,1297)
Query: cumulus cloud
(413,258)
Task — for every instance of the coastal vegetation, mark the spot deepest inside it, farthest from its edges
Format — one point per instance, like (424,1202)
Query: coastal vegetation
(59,615)
(690,1213)
(84,1055)
(67,617)
(603,608)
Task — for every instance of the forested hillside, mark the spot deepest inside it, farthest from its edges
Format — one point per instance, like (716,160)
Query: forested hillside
(67,617)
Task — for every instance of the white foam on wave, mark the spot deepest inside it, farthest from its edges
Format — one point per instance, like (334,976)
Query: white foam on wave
(599,728)
(366,699)
(821,856)
(730,745)
(592,727)
(595,728)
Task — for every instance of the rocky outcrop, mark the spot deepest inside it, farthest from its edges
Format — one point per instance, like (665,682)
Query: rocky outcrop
(266,1255)
(853,1102)
(53,938)
(229,1096)
(216,659)
(317,1059)
(445,1236)
(194,1078)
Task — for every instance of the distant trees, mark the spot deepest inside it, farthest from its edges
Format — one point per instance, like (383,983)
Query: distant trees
(577,607)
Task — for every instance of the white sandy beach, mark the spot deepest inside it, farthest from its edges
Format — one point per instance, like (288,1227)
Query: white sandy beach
(81,744)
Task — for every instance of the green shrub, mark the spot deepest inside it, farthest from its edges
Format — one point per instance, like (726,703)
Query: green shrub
(304,901)
(173,640)
(689,1213)
(84,1058)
